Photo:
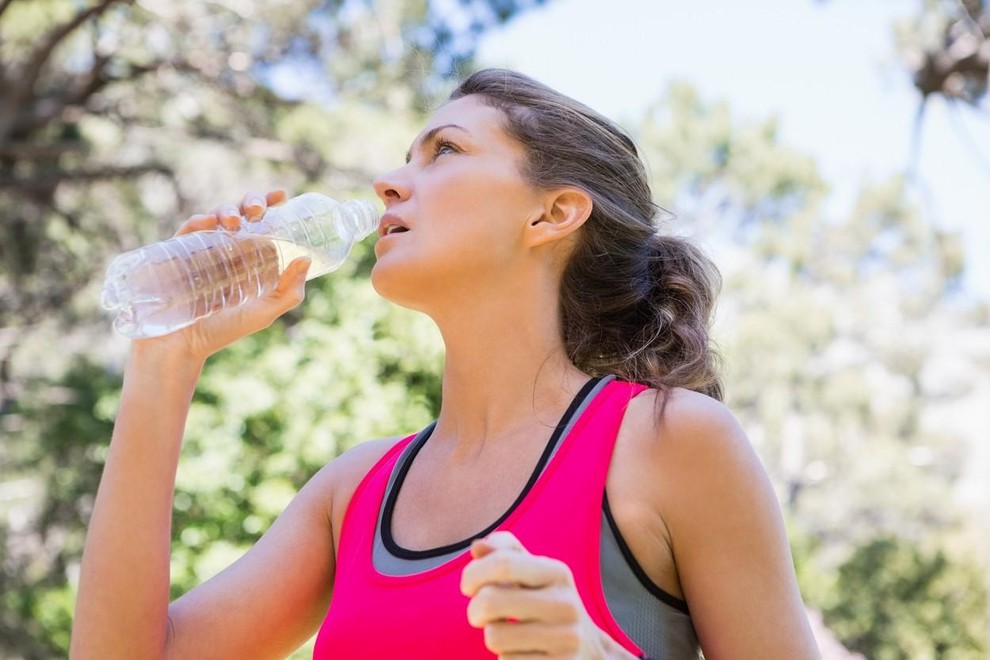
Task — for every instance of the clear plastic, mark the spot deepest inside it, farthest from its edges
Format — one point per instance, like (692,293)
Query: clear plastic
(161,288)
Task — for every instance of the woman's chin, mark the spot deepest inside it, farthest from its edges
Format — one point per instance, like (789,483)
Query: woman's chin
(394,287)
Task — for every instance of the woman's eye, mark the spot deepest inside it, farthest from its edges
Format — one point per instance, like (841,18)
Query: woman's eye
(443,147)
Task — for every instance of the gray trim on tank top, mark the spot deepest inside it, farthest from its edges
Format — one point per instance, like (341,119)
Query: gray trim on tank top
(660,629)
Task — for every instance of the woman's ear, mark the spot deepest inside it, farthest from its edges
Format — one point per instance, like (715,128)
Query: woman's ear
(565,210)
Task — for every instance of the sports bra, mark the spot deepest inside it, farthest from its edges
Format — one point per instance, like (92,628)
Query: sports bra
(389,600)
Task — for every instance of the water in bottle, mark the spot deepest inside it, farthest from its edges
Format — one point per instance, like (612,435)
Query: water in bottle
(163,287)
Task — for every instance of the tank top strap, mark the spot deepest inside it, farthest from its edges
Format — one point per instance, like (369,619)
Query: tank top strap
(579,468)
(355,533)
(561,517)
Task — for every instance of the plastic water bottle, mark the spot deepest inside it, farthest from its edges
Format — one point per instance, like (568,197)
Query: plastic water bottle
(160,288)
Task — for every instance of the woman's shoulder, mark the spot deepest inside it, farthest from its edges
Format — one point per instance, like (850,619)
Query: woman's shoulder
(347,471)
(683,417)
(353,464)
(342,476)
(664,467)
(679,442)
(706,494)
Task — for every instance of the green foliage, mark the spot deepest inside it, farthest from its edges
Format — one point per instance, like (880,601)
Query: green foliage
(893,600)
(701,160)
(59,430)
(835,330)
(346,368)
(117,119)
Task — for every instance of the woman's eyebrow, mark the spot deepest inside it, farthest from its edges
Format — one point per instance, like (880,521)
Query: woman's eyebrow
(430,134)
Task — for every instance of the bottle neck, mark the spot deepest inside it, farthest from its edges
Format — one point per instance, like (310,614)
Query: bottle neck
(359,217)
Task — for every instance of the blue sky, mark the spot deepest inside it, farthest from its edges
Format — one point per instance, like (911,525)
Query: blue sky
(828,71)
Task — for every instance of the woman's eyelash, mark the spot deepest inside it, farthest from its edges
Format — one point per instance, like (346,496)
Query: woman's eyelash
(442,144)
(439,144)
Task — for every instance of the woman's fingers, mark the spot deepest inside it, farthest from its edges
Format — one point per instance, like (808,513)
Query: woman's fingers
(546,622)
(253,205)
(520,620)
(277,196)
(496,541)
(527,604)
(213,333)
(291,288)
(229,216)
(511,567)
(509,640)
(494,604)
(198,222)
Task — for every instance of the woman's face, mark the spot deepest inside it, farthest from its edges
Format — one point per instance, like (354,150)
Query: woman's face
(464,204)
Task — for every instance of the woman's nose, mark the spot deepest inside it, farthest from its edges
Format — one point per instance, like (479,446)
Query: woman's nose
(391,187)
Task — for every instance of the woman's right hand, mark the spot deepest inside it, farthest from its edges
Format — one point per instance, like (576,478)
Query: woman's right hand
(208,335)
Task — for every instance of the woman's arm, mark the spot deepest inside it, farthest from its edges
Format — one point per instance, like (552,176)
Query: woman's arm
(727,535)
(264,605)
(122,603)
(124,581)
(271,600)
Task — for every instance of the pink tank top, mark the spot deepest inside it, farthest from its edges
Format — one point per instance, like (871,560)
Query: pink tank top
(424,615)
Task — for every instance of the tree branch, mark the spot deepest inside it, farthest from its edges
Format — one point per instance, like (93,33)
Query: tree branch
(971,15)
(931,77)
(4,4)
(21,84)
(46,181)
(35,151)
(967,137)
(919,117)
(41,54)
(78,93)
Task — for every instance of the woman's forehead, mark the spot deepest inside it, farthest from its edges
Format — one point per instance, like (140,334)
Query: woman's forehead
(470,117)
(471,114)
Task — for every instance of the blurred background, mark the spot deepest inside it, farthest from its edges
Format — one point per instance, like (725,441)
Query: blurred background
(833,157)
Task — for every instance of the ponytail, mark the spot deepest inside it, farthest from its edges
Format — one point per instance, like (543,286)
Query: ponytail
(643,315)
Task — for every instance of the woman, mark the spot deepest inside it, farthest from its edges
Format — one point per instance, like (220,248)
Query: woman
(639,524)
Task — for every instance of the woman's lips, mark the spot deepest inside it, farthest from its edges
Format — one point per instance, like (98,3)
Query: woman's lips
(388,221)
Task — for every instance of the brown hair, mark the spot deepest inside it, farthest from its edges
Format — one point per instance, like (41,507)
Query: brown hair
(633,302)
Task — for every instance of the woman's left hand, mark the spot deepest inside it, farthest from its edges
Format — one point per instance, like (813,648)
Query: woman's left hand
(529,604)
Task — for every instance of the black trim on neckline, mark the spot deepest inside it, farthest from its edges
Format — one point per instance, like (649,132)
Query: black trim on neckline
(386,525)
(637,570)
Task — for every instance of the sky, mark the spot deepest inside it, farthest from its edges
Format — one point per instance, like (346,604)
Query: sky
(827,70)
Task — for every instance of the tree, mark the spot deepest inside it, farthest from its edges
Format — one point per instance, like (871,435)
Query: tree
(946,48)
(120,92)
(899,601)
(116,119)
(835,333)
(836,330)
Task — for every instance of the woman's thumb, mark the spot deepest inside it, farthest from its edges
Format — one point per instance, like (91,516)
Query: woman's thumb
(292,284)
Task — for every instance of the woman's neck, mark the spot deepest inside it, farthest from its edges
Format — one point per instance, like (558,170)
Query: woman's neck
(506,372)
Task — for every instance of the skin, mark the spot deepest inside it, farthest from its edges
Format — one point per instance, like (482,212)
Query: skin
(483,257)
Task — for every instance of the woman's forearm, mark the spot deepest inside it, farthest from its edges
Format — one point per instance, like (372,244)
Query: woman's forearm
(122,606)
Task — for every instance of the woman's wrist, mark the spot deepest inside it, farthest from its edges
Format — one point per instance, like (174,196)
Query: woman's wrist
(157,358)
